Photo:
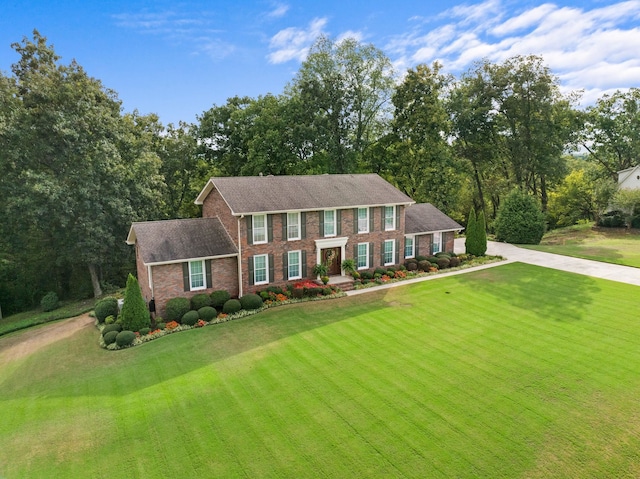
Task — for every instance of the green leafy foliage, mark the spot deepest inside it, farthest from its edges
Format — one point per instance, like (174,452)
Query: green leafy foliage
(49,302)
(190,318)
(200,301)
(111,327)
(251,301)
(134,314)
(218,298)
(125,338)
(110,337)
(520,219)
(176,308)
(231,306)
(106,307)
(207,313)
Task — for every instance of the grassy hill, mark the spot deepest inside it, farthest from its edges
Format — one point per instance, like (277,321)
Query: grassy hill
(515,371)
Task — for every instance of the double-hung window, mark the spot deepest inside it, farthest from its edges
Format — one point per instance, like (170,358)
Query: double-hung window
(389,218)
(294,267)
(196,275)
(330,222)
(261,269)
(259,225)
(363,220)
(389,252)
(363,255)
(293,226)
(409,246)
(436,244)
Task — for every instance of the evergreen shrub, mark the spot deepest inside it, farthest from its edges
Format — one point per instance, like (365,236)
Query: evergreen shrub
(231,306)
(520,219)
(207,313)
(109,319)
(470,232)
(424,265)
(176,308)
(125,338)
(110,337)
(190,318)
(144,331)
(106,307)
(218,298)
(135,314)
(443,262)
(251,301)
(111,327)
(380,271)
(161,325)
(200,301)
(453,262)
(412,266)
(49,302)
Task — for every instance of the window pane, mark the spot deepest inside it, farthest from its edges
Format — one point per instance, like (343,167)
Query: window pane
(408,247)
(259,230)
(437,243)
(363,255)
(294,264)
(260,269)
(329,223)
(363,220)
(389,218)
(293,225)
(388,251)
(197,274)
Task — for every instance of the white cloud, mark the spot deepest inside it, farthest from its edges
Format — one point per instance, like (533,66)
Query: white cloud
(591,49)
(293,43)
(279,10)
(357,36)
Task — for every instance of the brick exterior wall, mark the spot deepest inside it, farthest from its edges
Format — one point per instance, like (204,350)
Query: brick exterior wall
(213,205)
(348,229)
(424,242)
(168,282)
(143,276)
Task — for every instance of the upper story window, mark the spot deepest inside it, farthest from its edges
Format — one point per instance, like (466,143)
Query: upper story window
(259,226)
(196,275)
(436,243)
(330,222)
(389,218)
(293,226)
(409,247)
(363,220)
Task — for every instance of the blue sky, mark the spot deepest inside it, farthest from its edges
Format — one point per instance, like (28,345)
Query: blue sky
(177,59)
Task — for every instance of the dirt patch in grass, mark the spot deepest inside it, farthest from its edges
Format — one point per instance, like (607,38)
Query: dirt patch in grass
(27,342)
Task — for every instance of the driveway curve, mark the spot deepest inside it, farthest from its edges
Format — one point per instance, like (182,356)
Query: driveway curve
(597,269)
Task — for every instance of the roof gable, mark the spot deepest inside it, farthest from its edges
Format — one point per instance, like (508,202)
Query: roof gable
(260,194)
(178,240)
(426,218)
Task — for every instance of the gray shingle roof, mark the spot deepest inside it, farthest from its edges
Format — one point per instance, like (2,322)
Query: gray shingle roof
(257,194)
(174,240)
(424,218)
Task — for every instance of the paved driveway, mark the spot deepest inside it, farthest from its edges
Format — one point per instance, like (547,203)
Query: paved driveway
(597,269)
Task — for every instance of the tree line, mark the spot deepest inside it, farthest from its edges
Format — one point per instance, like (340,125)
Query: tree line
(75,170)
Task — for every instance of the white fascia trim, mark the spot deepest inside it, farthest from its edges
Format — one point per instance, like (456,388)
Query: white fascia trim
(184,260)
(431,232)
(319,208)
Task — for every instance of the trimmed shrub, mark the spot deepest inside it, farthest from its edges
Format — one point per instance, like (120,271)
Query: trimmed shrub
(144,331)
(231,306)
(161,325)
(327,291)
(274,289)
(135,314)
(200,301)
(424,265)
(49,302)
(110,337)
(443,262)
(190,318)
(125,338)
(176,308)
(218,298)
(432,259)
(453,262)
(251,301)
(313,292)
(111,327)
(380,271)
(442,254)
(106,307)
(366,275)
(207,313)
(520,219)
(391,273)
(109,319)
(612,219)
(412,266)
(297,293)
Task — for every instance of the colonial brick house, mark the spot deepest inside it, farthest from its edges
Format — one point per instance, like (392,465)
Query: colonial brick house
(272,230)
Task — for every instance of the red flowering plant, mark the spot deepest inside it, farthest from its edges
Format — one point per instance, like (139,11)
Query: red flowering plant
(305,284)
(171,325)
(200,323)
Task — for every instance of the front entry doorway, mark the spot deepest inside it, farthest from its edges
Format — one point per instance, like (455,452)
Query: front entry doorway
(331,257)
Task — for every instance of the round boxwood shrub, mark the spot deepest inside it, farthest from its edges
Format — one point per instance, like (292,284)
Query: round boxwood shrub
(161,325)
(443,262)
(424,265)
(207,313)
(106,307)
(49,302)
(231,306)
(144,331)
(412,266)
(200,301)
(111,327)
(442,254)
(379,271)
(109,319)
(176,308)
(454,261)
(251,301)
(110,337)
(190,318)
(125,338)
(218,298)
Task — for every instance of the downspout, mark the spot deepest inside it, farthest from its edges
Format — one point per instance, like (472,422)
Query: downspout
(239,259)
(150,281)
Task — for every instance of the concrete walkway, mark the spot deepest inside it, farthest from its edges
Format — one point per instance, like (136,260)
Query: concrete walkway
(597,269)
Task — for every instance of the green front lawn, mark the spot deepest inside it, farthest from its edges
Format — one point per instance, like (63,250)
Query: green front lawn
(610,245)
(514,371)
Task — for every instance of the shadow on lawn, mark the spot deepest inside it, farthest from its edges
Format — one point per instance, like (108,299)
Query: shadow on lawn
(551,294)
(77,366)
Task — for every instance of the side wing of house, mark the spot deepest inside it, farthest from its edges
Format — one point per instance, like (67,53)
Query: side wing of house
(629,178)
(428,231)
(181,258)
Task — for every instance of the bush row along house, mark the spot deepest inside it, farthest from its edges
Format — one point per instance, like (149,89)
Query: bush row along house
(272,230)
